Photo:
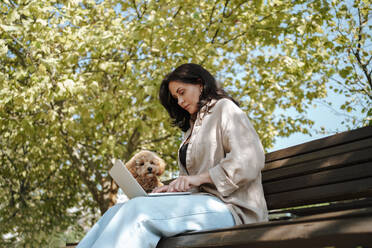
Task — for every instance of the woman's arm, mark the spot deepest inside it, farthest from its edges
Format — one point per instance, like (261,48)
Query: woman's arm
(244,157)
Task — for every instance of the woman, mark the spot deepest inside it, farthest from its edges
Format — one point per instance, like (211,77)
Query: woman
(220,155)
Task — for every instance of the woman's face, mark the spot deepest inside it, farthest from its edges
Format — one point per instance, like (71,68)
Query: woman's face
(187,95)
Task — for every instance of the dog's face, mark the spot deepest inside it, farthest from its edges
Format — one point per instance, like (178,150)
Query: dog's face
(147,164)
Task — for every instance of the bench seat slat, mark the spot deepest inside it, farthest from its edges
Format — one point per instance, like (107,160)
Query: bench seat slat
(334,140)
(325,193)
(337,175)
(328,207)
(338,230)
(324,153)
(317,165)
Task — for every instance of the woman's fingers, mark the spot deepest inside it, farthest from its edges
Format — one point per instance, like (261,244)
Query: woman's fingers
(181,184)
(184,183)
(177,185)
(160,189)
(173,186)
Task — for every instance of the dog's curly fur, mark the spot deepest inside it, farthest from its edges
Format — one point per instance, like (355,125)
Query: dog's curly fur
(146,167)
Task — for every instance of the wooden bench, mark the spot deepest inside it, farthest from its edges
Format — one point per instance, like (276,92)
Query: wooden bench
(319,194)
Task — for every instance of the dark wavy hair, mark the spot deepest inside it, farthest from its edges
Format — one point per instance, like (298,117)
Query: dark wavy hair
(189,74)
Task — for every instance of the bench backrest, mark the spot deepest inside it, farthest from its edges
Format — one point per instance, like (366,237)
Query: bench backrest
(335,168)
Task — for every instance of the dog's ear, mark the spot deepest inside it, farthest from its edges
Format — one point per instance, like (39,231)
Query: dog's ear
(131,163)
(131,168)
(161,165)
(133,172)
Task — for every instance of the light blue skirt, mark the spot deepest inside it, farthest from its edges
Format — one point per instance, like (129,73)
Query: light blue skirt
(142,221)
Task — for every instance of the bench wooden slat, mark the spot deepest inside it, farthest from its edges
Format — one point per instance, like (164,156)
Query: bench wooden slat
(324,153)
(328,207)
(325,193)
(334,140)
(317,165)
(321,178)
(350,228)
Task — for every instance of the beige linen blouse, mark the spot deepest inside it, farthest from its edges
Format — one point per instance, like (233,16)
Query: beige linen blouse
(224,142)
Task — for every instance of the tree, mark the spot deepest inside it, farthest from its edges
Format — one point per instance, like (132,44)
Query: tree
(79,84)
(351,70)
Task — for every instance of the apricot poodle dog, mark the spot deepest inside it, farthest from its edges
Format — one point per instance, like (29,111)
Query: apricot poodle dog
(146,167)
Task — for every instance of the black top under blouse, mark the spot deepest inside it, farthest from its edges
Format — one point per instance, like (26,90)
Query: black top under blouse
(182,154)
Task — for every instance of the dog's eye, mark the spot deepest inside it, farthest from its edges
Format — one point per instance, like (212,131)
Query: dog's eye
(142,163)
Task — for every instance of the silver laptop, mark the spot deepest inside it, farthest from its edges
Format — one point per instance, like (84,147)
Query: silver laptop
(129,184)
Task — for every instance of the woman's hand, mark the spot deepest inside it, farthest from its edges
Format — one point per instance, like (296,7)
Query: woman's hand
(184,183)
(160,189)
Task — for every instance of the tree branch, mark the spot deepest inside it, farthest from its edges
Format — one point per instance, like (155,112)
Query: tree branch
(84,175)
(357,52)
(156,140)
(211,17)
(133,141)
(234,38)
(233,10)
(215,36)
(178,11)
(138,12)
(224,9)
(18,54)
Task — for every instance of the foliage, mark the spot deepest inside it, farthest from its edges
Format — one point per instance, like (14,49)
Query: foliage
(350,49)
(79,80)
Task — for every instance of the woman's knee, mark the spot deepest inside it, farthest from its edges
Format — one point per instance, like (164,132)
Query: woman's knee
(137,205)
(149,208)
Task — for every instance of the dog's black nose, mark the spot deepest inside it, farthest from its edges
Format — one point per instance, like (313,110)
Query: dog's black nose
(149,169)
